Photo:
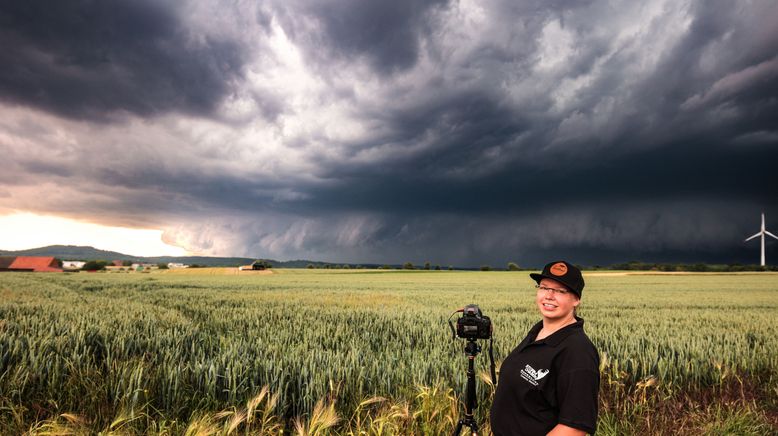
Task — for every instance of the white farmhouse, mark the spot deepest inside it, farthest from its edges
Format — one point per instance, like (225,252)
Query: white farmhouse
(72,264)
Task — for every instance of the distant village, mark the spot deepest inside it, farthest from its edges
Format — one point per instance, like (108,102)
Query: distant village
(52,264)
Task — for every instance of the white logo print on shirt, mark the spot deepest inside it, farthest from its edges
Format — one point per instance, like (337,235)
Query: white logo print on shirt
(531,375)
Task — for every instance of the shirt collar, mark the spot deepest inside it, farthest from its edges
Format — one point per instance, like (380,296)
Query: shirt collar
(558,336)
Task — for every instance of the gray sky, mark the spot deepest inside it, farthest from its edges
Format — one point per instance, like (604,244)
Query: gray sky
(459,132)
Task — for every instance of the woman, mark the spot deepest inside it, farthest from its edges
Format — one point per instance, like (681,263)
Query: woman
(549,383)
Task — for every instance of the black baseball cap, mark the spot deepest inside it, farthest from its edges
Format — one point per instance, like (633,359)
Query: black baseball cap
(563,272)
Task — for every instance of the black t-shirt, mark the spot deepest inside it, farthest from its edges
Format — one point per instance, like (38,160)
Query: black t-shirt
(544,383)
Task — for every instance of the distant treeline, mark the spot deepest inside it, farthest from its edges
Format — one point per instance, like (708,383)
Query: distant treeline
(689,267)
(512,266)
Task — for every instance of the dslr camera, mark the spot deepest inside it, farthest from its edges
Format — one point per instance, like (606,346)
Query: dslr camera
(473,324)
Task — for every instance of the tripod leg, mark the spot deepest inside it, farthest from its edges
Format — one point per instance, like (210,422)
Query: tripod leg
(469,421)
(458,428)
(471,400)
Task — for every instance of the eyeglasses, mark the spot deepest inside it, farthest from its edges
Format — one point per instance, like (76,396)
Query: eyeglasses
(556,291)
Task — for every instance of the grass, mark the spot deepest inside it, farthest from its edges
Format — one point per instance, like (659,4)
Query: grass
(348,351)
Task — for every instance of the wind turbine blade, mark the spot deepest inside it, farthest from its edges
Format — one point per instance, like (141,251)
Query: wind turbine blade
(768,233)
(752,237)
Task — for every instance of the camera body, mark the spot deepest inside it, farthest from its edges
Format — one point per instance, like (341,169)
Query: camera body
(473,324)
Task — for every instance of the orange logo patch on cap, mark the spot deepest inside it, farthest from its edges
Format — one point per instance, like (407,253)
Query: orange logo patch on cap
(558,269)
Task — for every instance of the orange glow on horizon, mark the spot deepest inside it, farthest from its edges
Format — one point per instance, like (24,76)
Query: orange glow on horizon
(21,231)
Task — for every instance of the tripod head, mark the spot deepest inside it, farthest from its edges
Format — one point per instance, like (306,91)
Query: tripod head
(472,348)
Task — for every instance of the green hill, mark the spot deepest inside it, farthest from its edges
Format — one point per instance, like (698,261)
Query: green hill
(76,252)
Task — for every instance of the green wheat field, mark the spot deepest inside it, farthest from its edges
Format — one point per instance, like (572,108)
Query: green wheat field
(365,352)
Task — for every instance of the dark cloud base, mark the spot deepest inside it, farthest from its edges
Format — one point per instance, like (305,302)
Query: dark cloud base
(90,60)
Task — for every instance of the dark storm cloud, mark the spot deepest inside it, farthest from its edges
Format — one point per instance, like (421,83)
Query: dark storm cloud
(87,59)
(676,171)
(387,33)
(696,87)
(464,131)
(666,133)
(457,132)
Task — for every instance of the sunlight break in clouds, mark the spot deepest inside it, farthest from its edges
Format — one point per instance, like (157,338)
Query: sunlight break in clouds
(23,230)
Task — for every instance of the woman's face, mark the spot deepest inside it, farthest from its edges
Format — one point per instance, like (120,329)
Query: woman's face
(555,305)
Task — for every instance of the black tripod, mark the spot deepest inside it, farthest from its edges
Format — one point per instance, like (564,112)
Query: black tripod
(471,402)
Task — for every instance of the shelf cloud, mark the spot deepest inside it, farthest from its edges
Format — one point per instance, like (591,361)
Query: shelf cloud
(462,133)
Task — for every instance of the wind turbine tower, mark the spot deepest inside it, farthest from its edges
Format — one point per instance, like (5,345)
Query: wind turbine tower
(762,233)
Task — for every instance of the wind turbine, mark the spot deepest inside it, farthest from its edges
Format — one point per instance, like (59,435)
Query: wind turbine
(762,233)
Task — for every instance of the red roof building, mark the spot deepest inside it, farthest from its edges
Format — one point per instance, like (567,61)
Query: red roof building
(5,262)
(35,264)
